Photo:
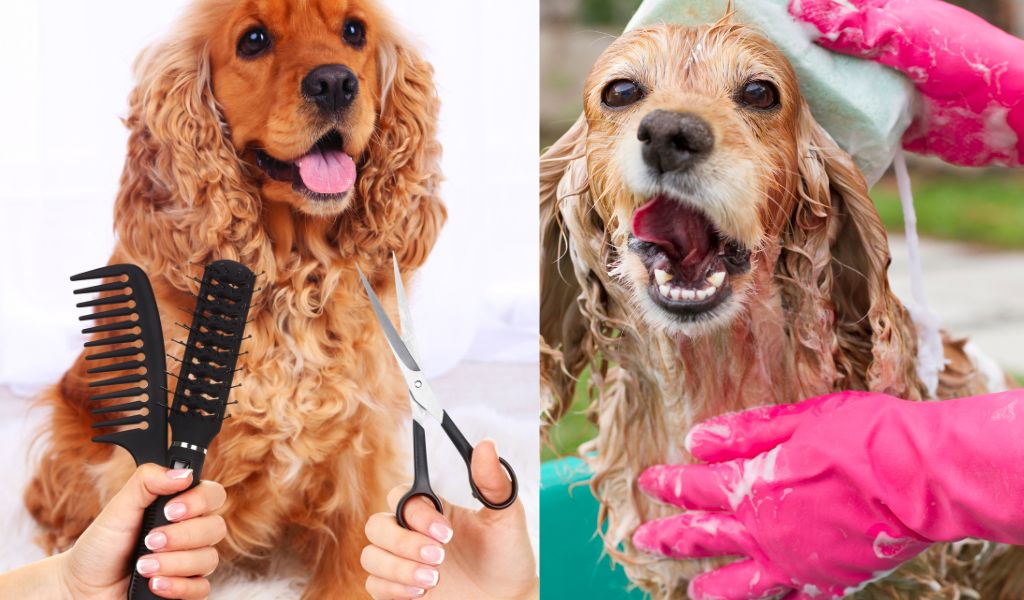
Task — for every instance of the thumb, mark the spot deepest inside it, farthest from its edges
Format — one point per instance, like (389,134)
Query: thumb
(124,511)
(489,474)
(748,433)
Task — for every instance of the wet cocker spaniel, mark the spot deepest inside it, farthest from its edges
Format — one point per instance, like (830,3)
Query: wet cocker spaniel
(298,137)
(706,247)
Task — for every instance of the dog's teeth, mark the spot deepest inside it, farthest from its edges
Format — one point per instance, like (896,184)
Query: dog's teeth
(665,290)
(662,277)
(705,293)
(676,293)
(689,294)
(717,278)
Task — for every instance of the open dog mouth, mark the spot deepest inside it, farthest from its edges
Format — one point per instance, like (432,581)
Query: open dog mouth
(690,263)
(324,172)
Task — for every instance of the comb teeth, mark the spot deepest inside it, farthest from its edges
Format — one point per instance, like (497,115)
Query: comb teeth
(103,287)
(106,314)
(130,306)
(125,393)
(127,406)
(122,366)
(130,420)
(130,351)
(105,300)
(117,339)
(111,327)
(133,378)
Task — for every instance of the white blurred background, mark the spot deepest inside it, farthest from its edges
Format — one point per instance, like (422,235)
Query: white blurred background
(67,76)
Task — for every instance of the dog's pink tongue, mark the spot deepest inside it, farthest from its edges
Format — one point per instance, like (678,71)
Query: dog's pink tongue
(683,233)
(327,172)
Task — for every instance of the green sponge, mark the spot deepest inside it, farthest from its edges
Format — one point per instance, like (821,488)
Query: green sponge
(864,106)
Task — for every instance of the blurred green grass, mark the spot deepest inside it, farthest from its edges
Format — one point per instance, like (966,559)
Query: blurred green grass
(573,428)
(983,208)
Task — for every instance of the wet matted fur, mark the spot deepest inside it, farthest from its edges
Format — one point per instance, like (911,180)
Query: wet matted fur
(814,314)
(310,450)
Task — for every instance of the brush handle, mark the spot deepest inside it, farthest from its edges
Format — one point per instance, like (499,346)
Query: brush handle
(178,458)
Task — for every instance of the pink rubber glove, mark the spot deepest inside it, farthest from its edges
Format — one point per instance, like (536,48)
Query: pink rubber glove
(821,497)
(970,73)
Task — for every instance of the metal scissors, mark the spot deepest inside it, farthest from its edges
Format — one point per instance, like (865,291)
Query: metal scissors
(424,404)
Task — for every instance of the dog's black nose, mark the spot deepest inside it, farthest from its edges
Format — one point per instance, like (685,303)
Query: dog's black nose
(331,87)
(674,141)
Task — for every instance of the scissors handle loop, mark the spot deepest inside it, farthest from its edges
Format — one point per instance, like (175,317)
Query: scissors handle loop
(466,450)
(421,476)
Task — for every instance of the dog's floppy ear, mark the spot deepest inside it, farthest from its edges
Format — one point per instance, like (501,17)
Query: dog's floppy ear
(836,254)
(184,196)
(563,327)
(399,182)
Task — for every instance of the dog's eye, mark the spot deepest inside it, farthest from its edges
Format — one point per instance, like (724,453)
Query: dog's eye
(253,42)
(759,94)
(621,92)
(354,33)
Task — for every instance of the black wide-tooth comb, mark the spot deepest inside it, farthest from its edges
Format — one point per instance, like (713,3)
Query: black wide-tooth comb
(135,374)
(204,382)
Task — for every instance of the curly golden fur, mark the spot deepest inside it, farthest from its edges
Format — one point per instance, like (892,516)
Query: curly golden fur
(814,314)
(310,450)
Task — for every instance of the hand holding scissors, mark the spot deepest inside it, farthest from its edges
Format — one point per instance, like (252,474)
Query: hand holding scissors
(424,403)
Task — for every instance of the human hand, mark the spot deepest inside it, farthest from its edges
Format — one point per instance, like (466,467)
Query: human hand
(803,492)
(96,567)
(469,554)
(967,71)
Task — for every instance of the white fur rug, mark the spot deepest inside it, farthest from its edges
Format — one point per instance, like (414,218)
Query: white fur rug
(486,400)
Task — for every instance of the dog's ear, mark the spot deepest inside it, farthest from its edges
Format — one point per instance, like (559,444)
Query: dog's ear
(836,256)
(563,327)
(399,182)
(184,197)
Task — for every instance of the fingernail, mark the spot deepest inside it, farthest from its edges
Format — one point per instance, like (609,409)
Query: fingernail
(174,510)
(159,584)
(156,540)
(432,554)
(415,591)
(179,473)
(427,577)
(145,566)
(440,532)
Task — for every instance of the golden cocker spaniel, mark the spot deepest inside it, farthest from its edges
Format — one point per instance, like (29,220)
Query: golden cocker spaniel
(298,137)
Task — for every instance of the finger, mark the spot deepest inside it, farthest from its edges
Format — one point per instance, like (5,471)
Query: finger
(695,487)
(124,511)
(743,580)
(182,588)
(201,562)
(421,515)
(203,499)
(383,531)
(694,534)
(745,434)
(382,589)
(488,474)
(186,535)
(383,564)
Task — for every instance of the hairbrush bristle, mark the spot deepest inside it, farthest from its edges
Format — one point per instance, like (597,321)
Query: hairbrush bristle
(204,380)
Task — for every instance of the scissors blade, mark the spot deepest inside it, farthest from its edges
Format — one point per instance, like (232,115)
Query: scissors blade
(420,393)
(394,338)
(404,314)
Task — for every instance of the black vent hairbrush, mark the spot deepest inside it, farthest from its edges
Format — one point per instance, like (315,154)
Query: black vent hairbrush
(203,382)
(133,374)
